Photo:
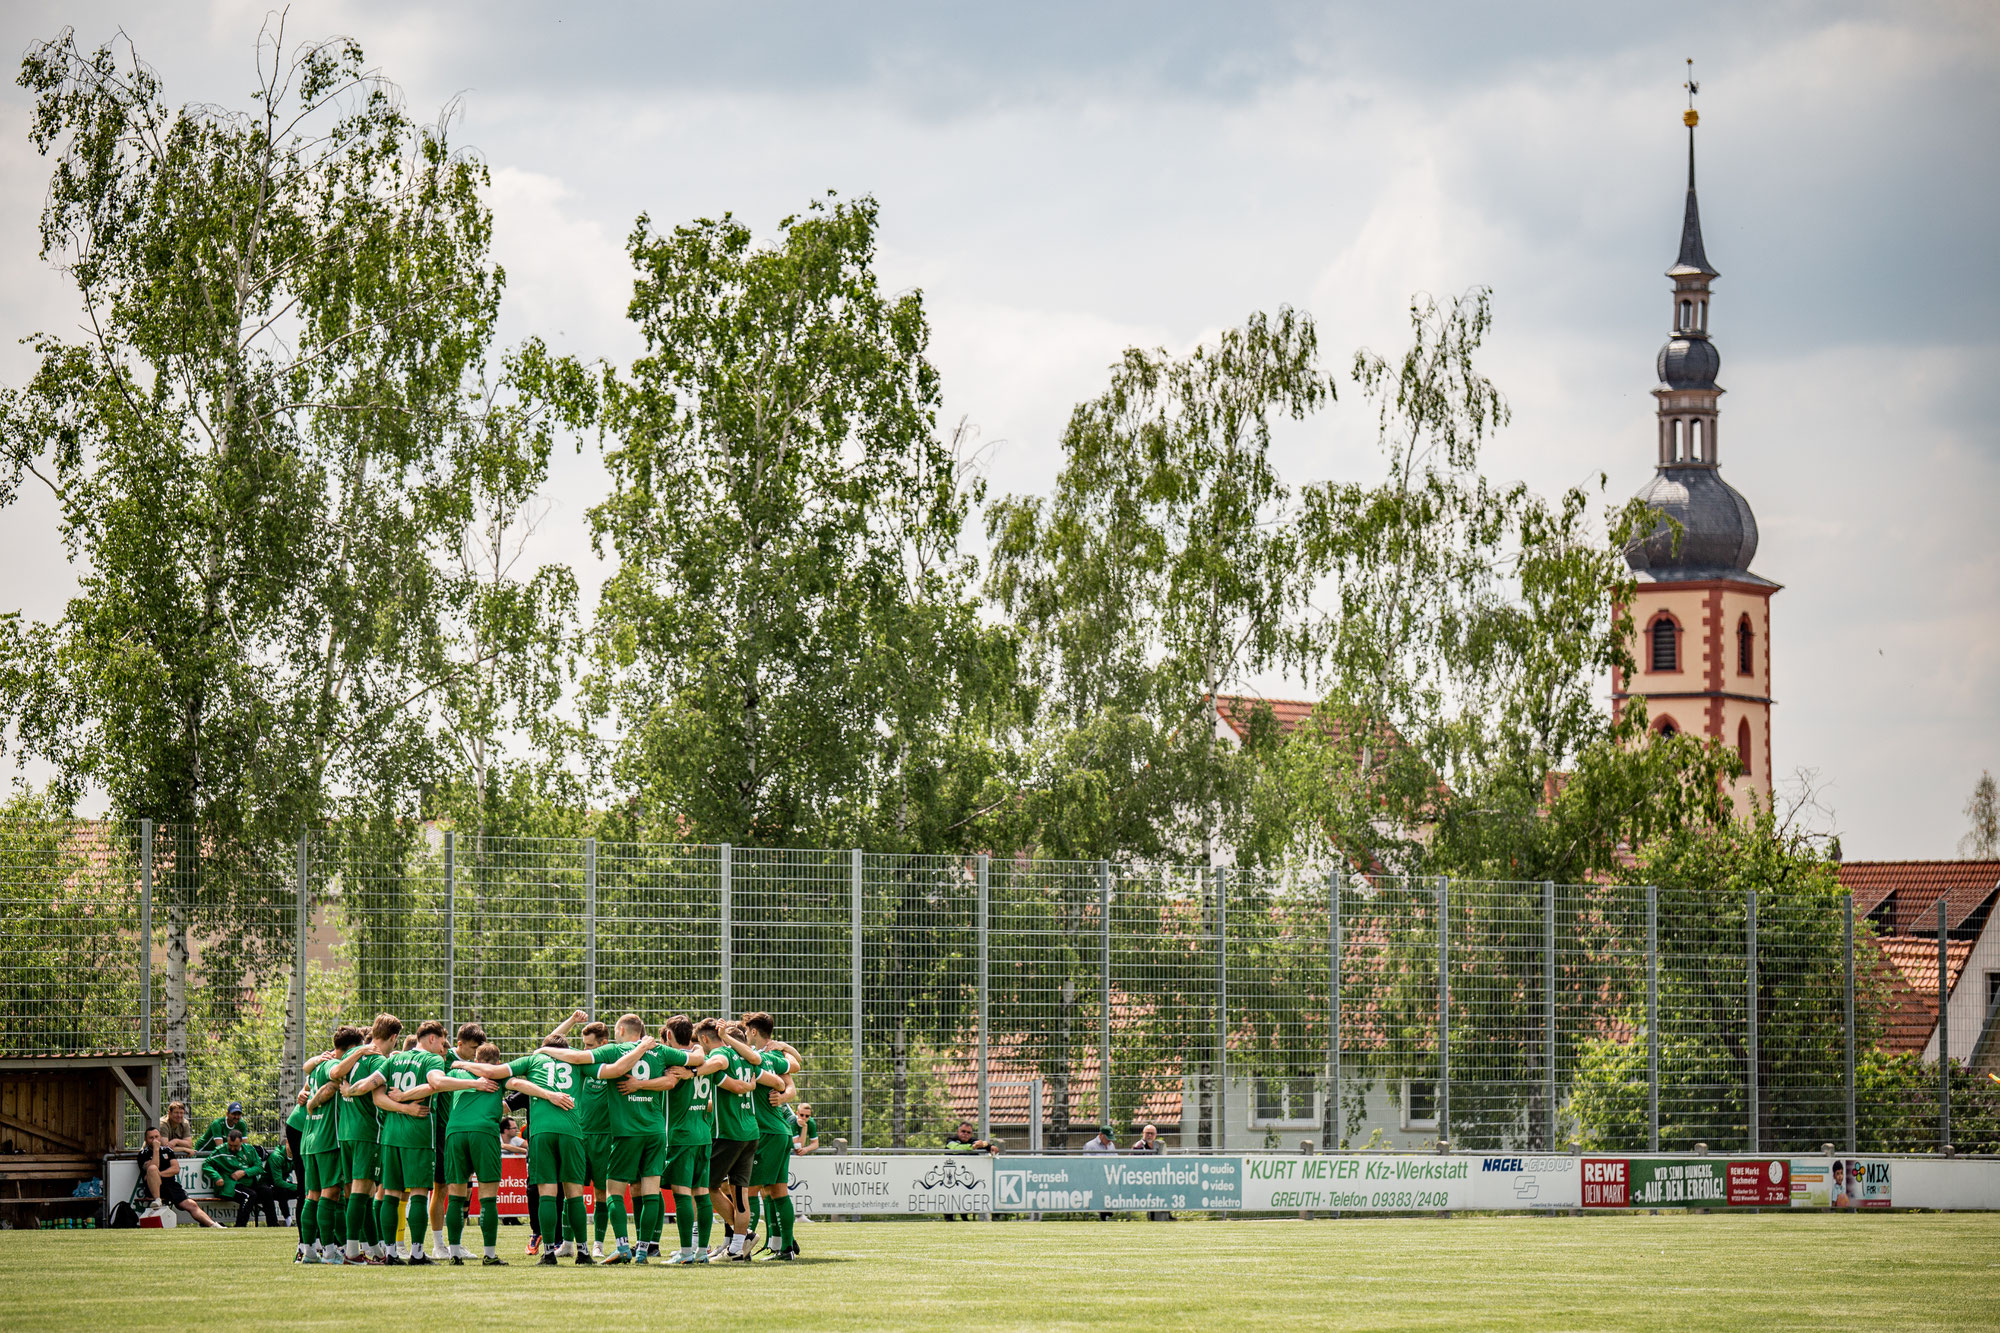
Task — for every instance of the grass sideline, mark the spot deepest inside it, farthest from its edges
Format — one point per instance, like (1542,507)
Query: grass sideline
(1627,1271)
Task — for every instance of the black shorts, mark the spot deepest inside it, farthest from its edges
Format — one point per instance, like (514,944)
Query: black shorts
(729,1161)
(171,1192)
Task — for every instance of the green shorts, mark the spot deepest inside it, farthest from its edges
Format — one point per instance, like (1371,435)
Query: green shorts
(364,1161)
(596,1160)
(326,1171)
(470,1157)
(408,1169)
(687,1166)
(556,1159)
(635,1158)
(774,1160)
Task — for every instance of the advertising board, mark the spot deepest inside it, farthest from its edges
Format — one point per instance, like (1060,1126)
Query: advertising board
(1396,1182)
(1115,1183)
(1687,1182)
(859,1183)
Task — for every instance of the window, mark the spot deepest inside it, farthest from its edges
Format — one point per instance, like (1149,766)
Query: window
(1743,743)
(1745,639)
(1420,1104)
(1687,315)
(1992,990)
(1680,435)
(1694,441)
(1666,645)
(1286,1101)
(1701,320)
(1666,727)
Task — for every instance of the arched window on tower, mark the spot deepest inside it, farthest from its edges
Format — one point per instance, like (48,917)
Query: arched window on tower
(1666,655)
(1694,441)
(1687,316)
(1743,743)
(1665,727)
(1701,319)
(1680,440)
(1746,643)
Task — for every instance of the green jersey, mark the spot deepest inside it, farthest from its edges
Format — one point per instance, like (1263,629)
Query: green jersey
(297,1119)
(357,1114)
(691,1106)
(481,1112)
(318,1135)
(552,1075)
(593,1099)
(770,1119)
(735,1115)
(216,1137)
(635,1115)
(406,1072)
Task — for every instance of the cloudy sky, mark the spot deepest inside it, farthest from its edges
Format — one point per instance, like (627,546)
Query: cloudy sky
(1064,180)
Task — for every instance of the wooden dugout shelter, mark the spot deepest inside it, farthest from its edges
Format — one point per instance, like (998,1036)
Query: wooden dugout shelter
(60,1114)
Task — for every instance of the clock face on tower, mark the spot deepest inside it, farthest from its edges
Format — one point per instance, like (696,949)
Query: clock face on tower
(1701,618)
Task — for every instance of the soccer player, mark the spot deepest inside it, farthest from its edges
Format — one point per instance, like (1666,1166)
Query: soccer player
(690,1098)
(735,1144)
(408,1152)
(325,1164)
(556,1138)
(770,1173)
(359,1075)
(470,1038)
(472,1147)
(638,1131)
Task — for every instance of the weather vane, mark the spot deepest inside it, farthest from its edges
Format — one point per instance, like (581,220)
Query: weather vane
(1691,116)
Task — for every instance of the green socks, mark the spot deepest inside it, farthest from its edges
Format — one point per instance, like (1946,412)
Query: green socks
(454,1222)
(308,1221)
(576,1222)
(385,1219)
(651,1218)
(704,1218)
(548,1210)
(419,1218)
(330,1230)
(756,1209)
(489,1223)
(360,1218)
(617,1202)
(684,1219)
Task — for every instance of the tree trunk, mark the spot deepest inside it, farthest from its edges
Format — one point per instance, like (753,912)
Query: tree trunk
(899,1090)
(176,1071)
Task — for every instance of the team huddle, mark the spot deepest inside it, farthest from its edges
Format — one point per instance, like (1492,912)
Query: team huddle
(701,1109)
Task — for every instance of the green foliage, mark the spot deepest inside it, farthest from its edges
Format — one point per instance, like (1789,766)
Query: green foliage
(786,644)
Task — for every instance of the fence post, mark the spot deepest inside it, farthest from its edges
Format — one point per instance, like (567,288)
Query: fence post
(1750,972)
(1444,1009)
(450,928)
(1549,1003)
(1943,1032)
(1847,943)
(1653,1016)
(590,925)
(1221,1090)
(980,871)
(722,938)
(1332,1131)
(303,914)
(1104,999)
(854,1007)
(145,934)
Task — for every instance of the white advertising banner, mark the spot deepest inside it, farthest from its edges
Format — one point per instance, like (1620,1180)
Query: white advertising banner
(900,1183)
(1399,1182)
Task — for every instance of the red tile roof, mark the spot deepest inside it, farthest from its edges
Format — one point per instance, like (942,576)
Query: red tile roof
(1905,967)
(1966,887)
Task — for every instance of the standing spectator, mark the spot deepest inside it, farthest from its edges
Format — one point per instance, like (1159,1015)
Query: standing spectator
(1149,1142)
(219,1129)
(1101,1143)
(156,1165)
(177,1131)
(962,1141)
(237,1172)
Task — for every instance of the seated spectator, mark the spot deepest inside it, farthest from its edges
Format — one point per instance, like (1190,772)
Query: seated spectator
(237,1172)
(282,1173)
(962,1141)
(177,1131)
(1149,1141)
(510,1139)
(807,1138)
(156,1166)
(217,1133)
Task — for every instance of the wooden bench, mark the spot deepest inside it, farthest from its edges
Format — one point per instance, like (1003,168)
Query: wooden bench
(34,1180)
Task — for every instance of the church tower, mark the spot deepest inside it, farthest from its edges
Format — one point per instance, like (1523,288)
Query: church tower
(1702,620)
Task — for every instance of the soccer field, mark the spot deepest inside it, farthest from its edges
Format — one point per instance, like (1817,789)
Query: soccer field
(1670,1271)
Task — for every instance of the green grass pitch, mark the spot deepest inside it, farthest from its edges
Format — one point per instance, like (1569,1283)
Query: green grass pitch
(1634,1271)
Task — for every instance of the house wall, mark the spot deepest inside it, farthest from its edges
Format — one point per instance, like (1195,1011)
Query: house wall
(1966,1004)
